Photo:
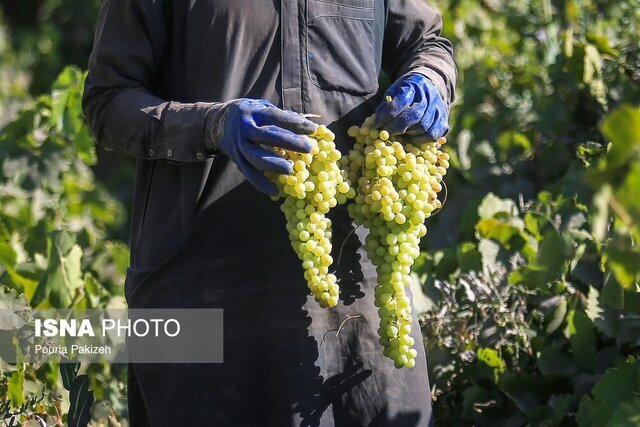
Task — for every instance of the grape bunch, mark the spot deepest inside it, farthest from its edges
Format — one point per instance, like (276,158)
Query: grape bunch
(397,188)
(316,185)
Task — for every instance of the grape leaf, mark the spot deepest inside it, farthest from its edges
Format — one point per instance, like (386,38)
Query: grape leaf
(513,143)
(617,387)
(502,232)
(15,387)
(619,384)
(552,361)
(592,308)
(63,273)
(612,293)
(469,258)
(626,415)
(624,264)
(627,195)
(582,339)
(492,359)
(555,310)
(583,416)
(12,306)
(622,127)
(529,391)
(492,205)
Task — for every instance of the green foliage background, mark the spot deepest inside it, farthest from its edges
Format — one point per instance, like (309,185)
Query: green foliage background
(532,315)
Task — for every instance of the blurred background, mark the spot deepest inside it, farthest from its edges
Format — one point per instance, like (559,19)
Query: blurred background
(531,306)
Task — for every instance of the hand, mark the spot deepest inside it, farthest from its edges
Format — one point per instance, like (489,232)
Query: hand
(416,110)
(238,128)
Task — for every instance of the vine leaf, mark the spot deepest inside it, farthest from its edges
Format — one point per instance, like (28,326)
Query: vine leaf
(622,127)
(582,339)
(15,386)
(63,274)
(615,397)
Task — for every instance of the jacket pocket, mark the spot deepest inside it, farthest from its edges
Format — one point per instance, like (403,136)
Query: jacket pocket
(339,45)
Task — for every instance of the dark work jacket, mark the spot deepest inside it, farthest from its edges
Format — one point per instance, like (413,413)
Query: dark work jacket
(202,236)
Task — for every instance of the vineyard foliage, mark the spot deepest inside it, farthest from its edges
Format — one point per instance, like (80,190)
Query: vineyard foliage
(531,269)
(536,311)
(55,249)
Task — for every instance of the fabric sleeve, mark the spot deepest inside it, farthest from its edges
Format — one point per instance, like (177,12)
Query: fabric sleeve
(413,44)
(118,101)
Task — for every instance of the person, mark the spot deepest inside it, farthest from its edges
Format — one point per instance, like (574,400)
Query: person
(195,90)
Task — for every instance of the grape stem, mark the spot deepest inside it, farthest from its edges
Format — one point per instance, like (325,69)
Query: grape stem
(446,194)
(344,243)
(339,328)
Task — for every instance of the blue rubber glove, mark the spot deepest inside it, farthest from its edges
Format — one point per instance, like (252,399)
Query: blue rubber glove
(238,128)
(416,110)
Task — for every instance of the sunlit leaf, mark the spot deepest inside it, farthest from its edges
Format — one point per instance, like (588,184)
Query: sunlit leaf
(513,143)
(625,265)
(63,275)
(603,43)
(500,231)
(622,127)
(627,197)
(593,309)
(15,387)
(492,205)
(492,359)
(555,311)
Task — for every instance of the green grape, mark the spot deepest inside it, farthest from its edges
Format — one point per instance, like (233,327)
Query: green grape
(314,187)
(397,188)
